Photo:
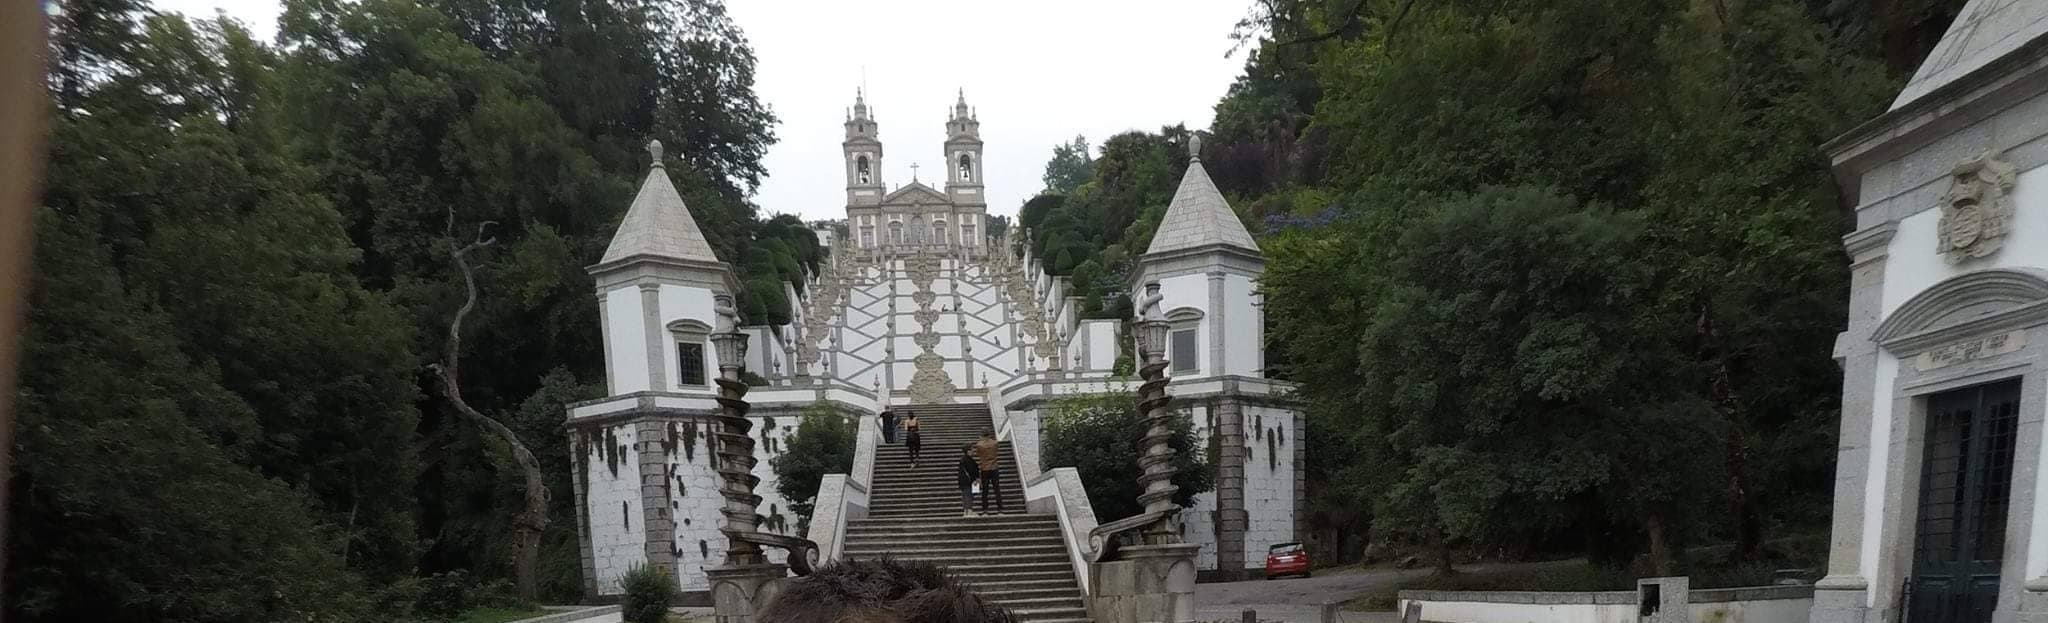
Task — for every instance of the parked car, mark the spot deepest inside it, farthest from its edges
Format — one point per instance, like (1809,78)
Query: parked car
(1286,559)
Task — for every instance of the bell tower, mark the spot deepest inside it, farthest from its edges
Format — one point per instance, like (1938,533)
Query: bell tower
(964,171)
(863,151)
(963,153)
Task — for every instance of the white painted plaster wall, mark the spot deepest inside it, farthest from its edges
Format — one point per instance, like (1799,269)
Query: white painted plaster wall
(1189,291)
(1911,267)
(686,303)
(1880,462)
(1487,612)
(1241,331)
(613,503)
(1269,438)
(1756,611)
(627,331)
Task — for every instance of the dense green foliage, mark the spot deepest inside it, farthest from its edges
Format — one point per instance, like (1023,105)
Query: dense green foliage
(1372,145)
(242,267)
(648,593)
(1099,435)
(1723,281)
(822,444)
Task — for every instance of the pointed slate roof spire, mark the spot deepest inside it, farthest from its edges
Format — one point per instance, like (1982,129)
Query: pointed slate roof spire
(1198,215)
(658,224)
(1985,31)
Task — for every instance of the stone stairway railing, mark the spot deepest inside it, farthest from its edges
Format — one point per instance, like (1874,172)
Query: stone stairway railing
(845,497)
(1060,492)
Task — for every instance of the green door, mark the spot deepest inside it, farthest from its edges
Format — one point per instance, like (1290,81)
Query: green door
(1965,486)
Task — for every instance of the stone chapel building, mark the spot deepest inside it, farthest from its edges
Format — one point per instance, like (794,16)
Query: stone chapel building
(1945,359)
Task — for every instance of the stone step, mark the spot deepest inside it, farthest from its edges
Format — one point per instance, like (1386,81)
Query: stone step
(1016,595)
(1038,603)
(982,551)
(933,514)
(1050,615)
(998,585)
(942,531)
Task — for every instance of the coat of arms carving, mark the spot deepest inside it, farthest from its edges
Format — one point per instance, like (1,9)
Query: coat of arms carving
(1976,212)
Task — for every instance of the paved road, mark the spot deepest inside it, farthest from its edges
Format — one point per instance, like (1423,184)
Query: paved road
(1296,600)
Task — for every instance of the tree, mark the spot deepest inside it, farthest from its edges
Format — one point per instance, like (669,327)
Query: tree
(532,519)
(1098,436)
(259,435)
(822,444)
(1070,167)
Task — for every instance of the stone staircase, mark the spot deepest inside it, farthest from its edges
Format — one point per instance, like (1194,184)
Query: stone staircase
(1015,559)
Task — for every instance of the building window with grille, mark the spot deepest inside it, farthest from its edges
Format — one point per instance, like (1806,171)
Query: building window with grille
(691,368)
(1183,344)
(867,236)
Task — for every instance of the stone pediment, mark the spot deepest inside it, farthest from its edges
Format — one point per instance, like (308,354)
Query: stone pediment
(916,193)
(1968,305)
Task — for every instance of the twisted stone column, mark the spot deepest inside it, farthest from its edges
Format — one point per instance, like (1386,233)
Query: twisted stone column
(735,446)
(1157,461)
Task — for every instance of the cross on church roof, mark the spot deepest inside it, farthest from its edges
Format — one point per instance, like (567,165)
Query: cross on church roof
(913,171)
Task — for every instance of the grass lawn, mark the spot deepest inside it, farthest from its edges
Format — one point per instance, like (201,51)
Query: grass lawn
(498,615)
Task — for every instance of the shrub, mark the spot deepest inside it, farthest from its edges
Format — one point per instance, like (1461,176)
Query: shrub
(444,595)
(822,444)
(753,380)
(1098,436)
(648,592)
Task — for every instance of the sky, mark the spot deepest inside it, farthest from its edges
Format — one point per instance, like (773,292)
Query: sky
(1037,71)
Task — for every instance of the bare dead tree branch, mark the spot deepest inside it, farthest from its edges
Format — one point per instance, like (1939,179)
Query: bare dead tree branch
(527,524)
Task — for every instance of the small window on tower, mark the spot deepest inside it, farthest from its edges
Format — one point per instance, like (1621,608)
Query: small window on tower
(861,171)
(1183,346)
(690,360)
(966,168)
(690,336)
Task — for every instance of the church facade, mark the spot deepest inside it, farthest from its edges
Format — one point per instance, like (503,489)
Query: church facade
(1939,484)
(916,305)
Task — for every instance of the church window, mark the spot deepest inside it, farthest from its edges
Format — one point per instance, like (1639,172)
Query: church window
(861,172)
(967,235)
(1183,346)
(690,336)
(939,232)
(966,168)
(691,362)
(867,236)
(896,232)
(918,230)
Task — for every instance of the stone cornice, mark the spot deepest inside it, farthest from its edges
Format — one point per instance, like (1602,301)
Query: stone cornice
(1988,301)
(1869,239)
(1969,98)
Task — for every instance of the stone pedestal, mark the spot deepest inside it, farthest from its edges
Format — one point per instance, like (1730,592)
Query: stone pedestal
(738,592)
(1664,600)
(1147,584)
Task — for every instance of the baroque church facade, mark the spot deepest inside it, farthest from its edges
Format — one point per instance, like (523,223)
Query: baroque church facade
(916,305)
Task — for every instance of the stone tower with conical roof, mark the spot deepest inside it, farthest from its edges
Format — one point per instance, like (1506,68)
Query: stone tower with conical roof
(1208,266)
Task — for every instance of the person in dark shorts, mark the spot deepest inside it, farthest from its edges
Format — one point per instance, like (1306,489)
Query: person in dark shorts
(888,426)
(970,471)
(910,437)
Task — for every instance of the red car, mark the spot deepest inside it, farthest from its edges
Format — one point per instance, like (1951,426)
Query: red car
(1286,559)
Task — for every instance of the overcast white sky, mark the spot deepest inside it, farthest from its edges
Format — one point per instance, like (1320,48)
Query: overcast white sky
(1039,71)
